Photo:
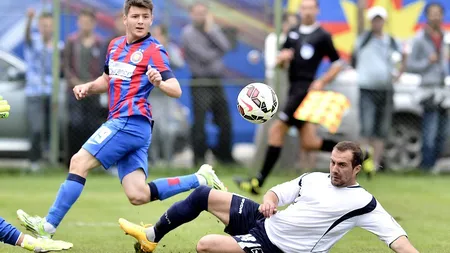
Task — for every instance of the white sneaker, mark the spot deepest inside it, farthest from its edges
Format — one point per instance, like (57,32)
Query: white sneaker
(212,179)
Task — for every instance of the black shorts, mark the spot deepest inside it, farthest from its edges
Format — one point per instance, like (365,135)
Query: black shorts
(294,99)
(247,227)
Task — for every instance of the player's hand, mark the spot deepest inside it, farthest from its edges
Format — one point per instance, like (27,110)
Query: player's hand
(154,76)
(268,209)
(81,91)
(317,85)
(30,13)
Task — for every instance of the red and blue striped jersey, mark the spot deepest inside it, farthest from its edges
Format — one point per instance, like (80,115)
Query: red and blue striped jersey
(127,65)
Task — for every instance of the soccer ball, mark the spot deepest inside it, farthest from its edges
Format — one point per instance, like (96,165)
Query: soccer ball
(257,103)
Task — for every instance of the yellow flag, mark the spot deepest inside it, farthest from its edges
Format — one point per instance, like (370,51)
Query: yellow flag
(293,5)
(326,108)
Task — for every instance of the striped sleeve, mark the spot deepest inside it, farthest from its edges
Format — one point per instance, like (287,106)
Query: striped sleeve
(161,62)
(108,53)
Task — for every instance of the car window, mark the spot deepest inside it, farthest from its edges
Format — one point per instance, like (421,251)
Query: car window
(5,69)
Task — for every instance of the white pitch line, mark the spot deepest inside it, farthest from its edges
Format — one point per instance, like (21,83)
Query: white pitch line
(93,224)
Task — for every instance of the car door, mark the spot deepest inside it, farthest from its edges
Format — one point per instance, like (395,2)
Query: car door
(12,83)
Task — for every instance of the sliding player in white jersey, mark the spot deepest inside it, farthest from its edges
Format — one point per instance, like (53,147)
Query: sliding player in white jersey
(322,209)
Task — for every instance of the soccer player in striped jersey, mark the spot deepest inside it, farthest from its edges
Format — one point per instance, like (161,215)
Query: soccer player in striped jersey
(135,64)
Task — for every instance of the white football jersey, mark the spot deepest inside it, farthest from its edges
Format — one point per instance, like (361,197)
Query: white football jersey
(320,214)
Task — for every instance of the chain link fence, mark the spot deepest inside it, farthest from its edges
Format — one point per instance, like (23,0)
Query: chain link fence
(204,125)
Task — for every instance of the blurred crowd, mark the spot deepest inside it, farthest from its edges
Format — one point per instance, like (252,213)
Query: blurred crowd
(378,59)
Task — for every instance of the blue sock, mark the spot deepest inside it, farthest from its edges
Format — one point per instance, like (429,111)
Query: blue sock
(182,212)
(8,233)
(167,187)
(68,193)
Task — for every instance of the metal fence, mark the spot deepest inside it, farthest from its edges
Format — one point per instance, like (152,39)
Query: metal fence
(210,106)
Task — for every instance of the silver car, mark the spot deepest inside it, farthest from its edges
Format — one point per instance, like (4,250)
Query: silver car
(13,131)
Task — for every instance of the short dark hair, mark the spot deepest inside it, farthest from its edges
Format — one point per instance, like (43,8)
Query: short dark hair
(356,151)
(87,12)
(148,4)
(434,4)
(46,14)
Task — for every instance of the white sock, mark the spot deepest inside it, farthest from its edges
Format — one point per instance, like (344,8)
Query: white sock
(49,228)
(201,179)
(150,233)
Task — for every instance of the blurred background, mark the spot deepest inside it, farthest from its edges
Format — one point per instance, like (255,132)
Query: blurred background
(46,126)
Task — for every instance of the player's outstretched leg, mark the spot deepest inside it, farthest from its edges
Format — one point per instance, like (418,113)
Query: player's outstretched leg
(12,236)
(201,199)
(68,194)
(167,187)
(140,192)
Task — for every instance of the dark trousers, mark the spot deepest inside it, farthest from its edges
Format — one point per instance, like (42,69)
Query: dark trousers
(38,111)
(85,118)
(434,134)
(204,99)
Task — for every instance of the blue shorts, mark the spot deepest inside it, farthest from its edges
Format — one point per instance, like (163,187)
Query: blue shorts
(122,141)
(247,227)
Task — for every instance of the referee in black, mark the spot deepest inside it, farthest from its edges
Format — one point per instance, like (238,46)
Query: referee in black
(303,51)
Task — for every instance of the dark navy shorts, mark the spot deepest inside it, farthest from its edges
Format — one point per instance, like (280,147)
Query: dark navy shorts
(247,227)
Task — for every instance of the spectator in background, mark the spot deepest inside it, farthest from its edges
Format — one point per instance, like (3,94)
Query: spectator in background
(161,33)
(373,59)
(38,55)
(119,28)
(428,59)
(164,108)
(84,61)
(204,46)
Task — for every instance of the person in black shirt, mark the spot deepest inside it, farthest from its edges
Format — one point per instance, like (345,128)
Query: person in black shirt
(303,51)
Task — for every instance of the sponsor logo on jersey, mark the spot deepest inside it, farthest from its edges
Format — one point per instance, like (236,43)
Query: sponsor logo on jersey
(241,206)
(121,70)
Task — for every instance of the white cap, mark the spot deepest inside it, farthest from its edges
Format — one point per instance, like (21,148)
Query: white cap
(377,11)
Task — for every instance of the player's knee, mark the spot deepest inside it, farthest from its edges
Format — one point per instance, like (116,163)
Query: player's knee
(308,145)
(77,164)
(200,194)
(137,198)
(206,244)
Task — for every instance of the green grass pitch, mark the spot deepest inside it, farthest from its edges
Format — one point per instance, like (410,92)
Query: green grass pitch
(420,204)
